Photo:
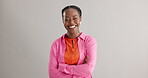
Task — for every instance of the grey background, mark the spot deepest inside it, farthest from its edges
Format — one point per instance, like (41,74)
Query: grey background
(28,27)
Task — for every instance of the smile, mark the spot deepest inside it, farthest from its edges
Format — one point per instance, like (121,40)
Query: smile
(72,26)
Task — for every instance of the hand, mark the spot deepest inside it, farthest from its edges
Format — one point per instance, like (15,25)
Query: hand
(86,59)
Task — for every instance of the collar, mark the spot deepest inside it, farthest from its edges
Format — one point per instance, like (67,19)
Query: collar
(82,36)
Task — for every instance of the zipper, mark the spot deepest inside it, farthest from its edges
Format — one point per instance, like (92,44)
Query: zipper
(72,44)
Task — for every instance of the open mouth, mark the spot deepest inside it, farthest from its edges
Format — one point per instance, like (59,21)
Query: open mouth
(72,26)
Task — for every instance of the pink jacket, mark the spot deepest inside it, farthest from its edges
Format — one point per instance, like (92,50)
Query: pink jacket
(59,69)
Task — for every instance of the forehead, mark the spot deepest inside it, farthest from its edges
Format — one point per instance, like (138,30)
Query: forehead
(71,12)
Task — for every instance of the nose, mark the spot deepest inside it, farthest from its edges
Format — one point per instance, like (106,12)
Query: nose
(71,22)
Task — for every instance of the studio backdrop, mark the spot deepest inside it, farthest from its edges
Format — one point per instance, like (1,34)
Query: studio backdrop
(28,28)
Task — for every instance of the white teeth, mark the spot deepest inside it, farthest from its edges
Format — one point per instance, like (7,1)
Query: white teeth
(72,26)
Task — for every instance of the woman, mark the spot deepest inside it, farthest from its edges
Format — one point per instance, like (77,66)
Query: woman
(74,54)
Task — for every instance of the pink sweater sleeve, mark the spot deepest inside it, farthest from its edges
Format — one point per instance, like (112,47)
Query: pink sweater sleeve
(53,65)
(83,69)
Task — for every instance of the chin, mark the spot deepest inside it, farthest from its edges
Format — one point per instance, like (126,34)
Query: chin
(71,32)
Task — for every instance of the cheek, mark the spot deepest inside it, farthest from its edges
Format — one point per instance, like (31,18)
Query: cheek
(65,24)
(77,22)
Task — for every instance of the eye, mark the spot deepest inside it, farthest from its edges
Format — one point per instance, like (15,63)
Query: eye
(66,19)
(75,18)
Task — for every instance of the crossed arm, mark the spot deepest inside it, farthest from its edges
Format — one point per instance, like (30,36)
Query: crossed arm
(61,70)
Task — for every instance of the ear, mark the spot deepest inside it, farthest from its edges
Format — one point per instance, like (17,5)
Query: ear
(80,18)
(63,20)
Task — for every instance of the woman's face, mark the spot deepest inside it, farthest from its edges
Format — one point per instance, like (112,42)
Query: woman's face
(71,20)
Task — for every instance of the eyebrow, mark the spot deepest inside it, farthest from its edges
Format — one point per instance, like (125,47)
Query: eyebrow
(73,16)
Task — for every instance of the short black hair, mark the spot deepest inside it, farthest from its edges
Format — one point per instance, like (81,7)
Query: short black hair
(74,7)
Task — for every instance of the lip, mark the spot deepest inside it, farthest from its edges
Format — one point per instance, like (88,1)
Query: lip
(71,27)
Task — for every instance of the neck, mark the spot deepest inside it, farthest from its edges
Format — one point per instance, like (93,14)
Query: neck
(73,35)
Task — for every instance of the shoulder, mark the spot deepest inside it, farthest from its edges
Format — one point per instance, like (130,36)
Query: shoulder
(57,41)
(89,39)
(90,42)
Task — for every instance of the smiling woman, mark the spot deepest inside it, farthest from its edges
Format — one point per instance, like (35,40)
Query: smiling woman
(71,18)
(74,54)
